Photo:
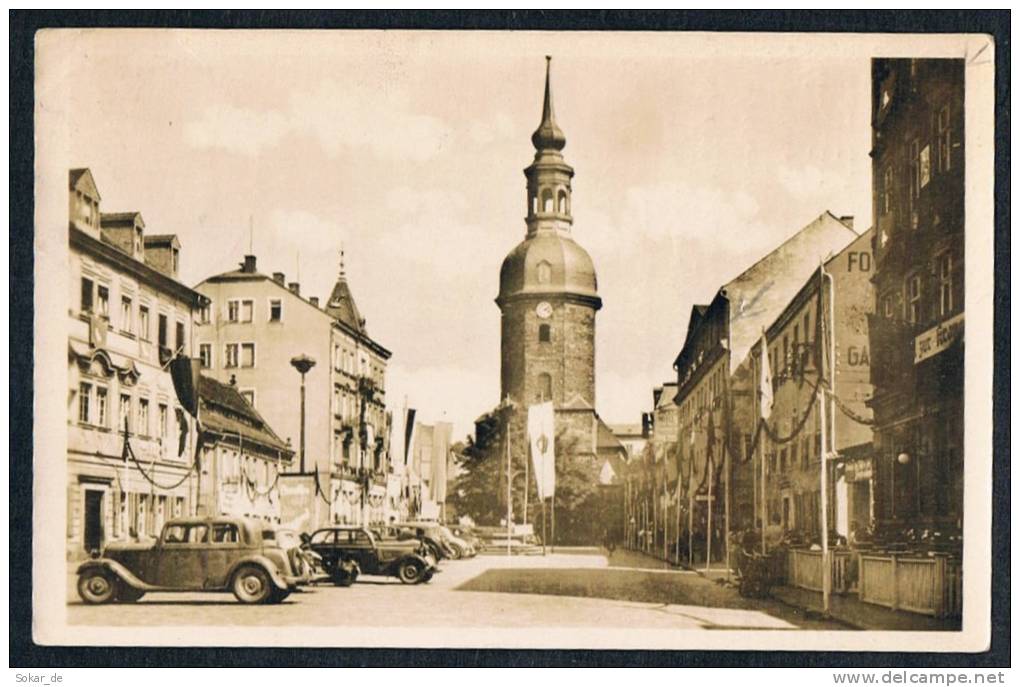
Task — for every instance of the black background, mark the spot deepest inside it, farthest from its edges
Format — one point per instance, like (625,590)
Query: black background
(23,25)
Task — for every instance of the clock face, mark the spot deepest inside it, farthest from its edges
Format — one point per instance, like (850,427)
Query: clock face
(543,310)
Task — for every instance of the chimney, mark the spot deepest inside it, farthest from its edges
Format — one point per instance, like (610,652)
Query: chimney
(278,277)
(295,288)
(847,220)
(248,266)
(314,300)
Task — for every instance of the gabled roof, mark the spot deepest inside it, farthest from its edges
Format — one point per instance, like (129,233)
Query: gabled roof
(121,218)
(162,240)
(576,403)
(606,439)
(224,409)
(341,305)
(81,179)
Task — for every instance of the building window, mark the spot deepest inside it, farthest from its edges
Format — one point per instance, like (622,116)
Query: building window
(275,310)
(924,166)
(247,355)
(205,313)
(914,299)
(544,333)
(124,419)
(162,334)
(544,387)
(102,403)
(915,169)
(103,300)
(240,310)
(230,357)
(143,416)
(143,322)
(945,140)
(127,321)
(945,284)
(249,396)
(84,399)
(888,306)
(87,289)
(205,355)
(162,420)
(887,190)
(179,341)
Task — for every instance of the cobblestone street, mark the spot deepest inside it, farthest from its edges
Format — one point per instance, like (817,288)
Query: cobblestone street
(572,588)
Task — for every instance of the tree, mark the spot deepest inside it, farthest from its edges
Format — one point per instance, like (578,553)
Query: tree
(480,473)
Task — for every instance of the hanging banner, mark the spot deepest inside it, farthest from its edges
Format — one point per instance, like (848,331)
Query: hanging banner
(542,440)
(938,338)
(185,373)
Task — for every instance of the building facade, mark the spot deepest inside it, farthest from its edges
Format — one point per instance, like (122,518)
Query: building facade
(548,298)
(716,421)
(917,329)
(242,458)
(830,310)
(255,325)
(129,316)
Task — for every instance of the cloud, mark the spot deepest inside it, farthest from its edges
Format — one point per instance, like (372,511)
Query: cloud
(339,117)
(447,393)
(808,181)
(237,130)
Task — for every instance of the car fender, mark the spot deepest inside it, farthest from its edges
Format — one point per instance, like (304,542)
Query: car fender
(122,573)
(421,560)
(263,562)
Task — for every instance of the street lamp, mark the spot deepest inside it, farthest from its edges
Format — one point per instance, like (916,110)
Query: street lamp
(302,364)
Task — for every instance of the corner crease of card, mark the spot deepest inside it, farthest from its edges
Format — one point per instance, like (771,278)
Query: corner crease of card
(542,441)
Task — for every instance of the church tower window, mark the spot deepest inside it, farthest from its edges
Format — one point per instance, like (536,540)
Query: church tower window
(547,200)
(543,272)
(544,387)
(544,333)
(562,209)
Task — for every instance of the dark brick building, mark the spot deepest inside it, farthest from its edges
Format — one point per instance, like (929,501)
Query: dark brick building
(916,333)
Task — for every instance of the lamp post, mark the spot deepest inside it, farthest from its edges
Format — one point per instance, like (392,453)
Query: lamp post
(302,364)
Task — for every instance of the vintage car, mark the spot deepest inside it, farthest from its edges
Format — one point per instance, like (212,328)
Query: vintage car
(198,554)
(349,551)
(432,535)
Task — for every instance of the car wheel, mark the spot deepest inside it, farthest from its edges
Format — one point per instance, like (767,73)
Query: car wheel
(456,551)
(345,578)
(129,595)
(252,585)
(436,552)
(410,572)
(97,587)
(427,576)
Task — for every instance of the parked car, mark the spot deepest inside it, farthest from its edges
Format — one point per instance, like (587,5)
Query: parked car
(349,551)
(468,535)
(198,554)
(462,549)
(433,537)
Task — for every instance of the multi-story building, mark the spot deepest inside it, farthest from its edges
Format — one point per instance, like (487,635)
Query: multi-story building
(128,317)
(917,329)
(829,313)
(713,392)
(254,327)
(242,457)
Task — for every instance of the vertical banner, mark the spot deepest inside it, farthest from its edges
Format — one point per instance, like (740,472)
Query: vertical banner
(542,440)
(408,431)
(440,457)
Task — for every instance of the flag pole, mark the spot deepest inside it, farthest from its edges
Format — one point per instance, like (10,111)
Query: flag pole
(708,525)
(527,483)
(824,486)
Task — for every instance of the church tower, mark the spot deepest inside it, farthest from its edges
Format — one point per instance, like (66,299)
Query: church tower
(548,295)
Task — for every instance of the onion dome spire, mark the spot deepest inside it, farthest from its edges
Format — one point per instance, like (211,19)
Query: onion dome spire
(548,136)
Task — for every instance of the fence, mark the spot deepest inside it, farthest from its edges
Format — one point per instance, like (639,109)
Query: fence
(932,586)
(804,569)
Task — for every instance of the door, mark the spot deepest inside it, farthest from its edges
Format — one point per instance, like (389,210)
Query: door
(93,536)
(224,548)
(182,556)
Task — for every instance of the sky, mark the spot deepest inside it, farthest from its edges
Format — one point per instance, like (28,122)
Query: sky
(694,156)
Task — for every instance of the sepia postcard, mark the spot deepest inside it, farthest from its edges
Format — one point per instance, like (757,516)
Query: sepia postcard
(328,353)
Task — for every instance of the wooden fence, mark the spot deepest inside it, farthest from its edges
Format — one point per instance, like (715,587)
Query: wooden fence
(932,585)
(804,569)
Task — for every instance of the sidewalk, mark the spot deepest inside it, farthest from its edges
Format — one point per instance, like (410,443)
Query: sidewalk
(848,609)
